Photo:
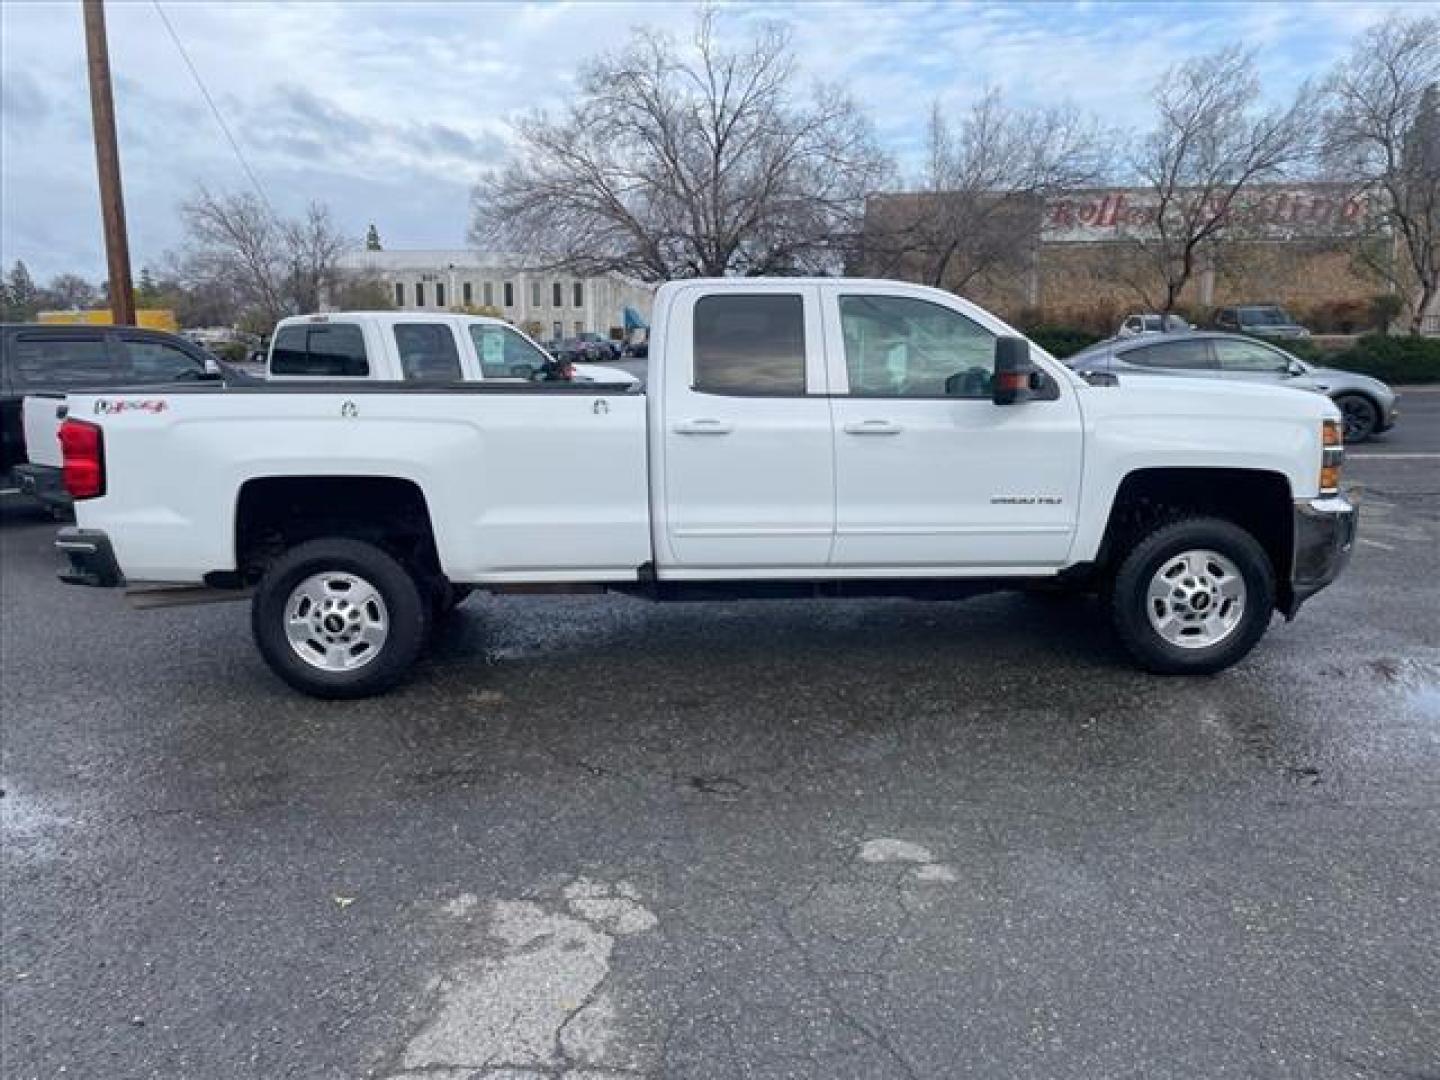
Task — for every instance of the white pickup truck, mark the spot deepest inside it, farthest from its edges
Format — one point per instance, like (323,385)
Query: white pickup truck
(828,437)
(412,346)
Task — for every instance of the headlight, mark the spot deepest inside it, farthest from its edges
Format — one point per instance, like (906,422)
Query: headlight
(1332,456)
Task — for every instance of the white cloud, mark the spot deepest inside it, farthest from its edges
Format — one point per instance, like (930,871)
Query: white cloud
(387,111)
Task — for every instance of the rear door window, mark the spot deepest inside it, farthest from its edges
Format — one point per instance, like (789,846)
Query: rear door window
(428,352)
(750,345)
(52,361)
(329,351)
(1175,355)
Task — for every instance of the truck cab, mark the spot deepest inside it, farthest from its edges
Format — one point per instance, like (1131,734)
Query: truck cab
(404,346)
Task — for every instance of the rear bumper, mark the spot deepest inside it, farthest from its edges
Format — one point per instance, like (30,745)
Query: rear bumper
(1324,539)
(91,558)
(44,483)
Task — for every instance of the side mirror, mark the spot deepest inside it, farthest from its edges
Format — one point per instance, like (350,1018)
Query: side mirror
(1012,370)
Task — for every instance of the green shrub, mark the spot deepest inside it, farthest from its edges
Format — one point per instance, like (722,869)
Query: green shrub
(1062,341)
(232,352)
(1391,359)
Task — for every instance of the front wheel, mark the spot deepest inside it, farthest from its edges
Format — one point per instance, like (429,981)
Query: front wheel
(1359,415)
(1193,597)
(339,618)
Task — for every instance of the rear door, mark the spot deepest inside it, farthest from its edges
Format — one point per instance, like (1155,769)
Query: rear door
(748,467)
(931,475)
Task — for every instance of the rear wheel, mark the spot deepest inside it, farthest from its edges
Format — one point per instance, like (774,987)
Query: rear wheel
(1193,597)
(1359,415)
(339,618)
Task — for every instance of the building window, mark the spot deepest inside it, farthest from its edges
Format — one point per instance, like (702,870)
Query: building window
(399,295)
(419,294)
(439,295)
(509,294)
(579,293)
(468,291)
(535,294)
(557,295)
(489,292)
(579,327)
(750,344)
(557,330)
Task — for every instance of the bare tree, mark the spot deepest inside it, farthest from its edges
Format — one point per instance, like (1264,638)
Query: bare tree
(312,246)
(986,177)
(1382,134)
(70,292)
(273,267)
(676,163)
(1211,145)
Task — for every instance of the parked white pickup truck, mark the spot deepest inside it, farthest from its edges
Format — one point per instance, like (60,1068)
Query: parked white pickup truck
(411,346)
(825,437)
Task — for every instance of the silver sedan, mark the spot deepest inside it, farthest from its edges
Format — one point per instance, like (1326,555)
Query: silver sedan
(1367,405)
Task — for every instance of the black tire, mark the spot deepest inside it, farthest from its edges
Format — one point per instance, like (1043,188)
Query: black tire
(1129,596)
(406,612)
(1359,415)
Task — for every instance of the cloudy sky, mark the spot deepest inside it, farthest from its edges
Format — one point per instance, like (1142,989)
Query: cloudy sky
(386,110)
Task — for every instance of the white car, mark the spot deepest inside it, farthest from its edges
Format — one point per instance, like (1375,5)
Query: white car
(1148,322)
(807,437)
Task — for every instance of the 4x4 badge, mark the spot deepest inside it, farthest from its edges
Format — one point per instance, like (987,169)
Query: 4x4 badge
(349,411)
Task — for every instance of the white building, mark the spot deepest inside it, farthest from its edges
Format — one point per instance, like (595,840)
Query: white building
(545,304)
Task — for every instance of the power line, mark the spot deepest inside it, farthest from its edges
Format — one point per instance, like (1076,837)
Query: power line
(215,109)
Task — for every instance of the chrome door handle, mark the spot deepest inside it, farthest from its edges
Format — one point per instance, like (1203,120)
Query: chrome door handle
(872,427)
(703,427)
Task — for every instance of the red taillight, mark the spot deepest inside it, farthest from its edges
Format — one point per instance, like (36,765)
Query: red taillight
(83,446)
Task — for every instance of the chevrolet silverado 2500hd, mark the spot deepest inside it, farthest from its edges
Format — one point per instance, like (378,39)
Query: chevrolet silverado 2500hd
(796,437)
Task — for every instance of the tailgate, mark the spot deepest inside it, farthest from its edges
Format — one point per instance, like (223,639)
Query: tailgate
(42,429)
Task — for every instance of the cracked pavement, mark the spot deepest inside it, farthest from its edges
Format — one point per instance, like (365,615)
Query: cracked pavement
(598,839)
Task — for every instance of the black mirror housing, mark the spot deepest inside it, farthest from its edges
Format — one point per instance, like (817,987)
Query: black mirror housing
(1013,371)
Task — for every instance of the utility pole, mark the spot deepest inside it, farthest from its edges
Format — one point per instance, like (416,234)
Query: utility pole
(107,162)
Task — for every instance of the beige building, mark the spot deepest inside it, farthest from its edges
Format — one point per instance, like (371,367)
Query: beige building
(546,304)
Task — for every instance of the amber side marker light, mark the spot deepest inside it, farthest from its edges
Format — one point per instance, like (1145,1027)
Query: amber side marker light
(1332,456)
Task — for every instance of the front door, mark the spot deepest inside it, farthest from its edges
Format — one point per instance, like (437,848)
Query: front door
(930,473)
(748,480)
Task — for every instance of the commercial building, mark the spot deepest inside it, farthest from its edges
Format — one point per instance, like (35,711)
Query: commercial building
(1062,258)
(544,303)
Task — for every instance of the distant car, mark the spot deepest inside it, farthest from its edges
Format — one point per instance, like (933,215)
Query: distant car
(1262,320)
(43,362)
(610,348)
(1367,405)
(1148,322)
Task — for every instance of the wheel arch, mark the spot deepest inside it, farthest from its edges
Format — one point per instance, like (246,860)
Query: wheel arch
(1260,501)
(276,513)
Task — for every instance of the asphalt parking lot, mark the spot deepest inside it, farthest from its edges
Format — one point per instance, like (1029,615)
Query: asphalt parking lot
(598,838)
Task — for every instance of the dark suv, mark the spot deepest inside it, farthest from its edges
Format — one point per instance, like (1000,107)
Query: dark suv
(53,359)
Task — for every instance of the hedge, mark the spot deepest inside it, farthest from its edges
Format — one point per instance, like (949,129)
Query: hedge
(1062,341)
(1392,359)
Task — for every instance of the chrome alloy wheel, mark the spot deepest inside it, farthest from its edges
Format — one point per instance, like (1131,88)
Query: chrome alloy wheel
(336,621)
(1196,599)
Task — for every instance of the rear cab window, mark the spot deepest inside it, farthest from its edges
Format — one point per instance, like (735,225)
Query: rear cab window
(750,345)
(319,351)
(56,362)
(427,352)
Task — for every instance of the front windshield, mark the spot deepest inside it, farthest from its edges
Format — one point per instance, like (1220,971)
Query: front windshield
(1264,316)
